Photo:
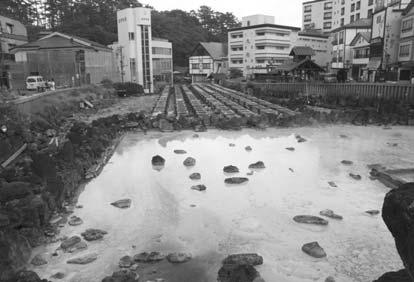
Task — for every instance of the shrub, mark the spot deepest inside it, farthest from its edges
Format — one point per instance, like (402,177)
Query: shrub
(129,87)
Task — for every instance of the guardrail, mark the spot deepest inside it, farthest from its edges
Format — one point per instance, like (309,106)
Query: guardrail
(386,91)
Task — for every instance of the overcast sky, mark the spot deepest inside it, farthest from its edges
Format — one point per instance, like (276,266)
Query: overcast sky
(286,12)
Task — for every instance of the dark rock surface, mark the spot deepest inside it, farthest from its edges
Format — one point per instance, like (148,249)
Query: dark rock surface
(158,160)
(347,162)
(250,259)
(180,152)
(122,204)
(179,257)
(235,180)
(189,161)
(122,276)
(149,257)
(395,276)
(231,169)
(355,176)
(372,212)
(70,242)
(126,262)
(332,184)
(200,187)
(310,219)
(257,165)
(238,273)
(314,250)
(93,234)
(58,275)
(195,176)
(38,260)
(331,214)
(75,221)
(85,259)
(248,148)
(290,149)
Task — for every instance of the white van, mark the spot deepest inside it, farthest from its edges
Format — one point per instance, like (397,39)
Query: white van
(35,82)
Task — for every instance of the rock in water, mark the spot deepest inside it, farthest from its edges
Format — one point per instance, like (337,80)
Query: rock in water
(314,250)
(179,257)
(290,149)
(189,161)
(250,173)
(238,273)
(257,165)
(332,184)
(236,180)
(231,169)
(158,160)
(310,219)
(122,204)
(83,259)
(195,176)
(395,276)
(180,152)
(232,145)
(300,139)
(68,243)
(248,148)
(372,212)
(355,176)
(58,275)
(75,221)
(93,234)
(200,187)
(125,262)
(346,162)
(331,214)
(149,257)
(330,279)
(124,275)
(38,260)
(249,259)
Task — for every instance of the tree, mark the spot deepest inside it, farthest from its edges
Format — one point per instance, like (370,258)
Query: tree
(235,73)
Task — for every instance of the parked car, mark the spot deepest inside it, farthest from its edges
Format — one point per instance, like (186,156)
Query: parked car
(36,82)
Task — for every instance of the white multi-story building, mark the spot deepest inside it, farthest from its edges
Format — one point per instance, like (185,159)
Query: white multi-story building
(206,59)
(317,15)
(140,56)
(259,43)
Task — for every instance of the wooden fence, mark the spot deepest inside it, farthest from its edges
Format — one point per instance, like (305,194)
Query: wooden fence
(385,91)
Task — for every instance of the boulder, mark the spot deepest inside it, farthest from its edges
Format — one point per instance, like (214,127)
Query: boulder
(189,161)
(314,250)
(236,180)
(395,276)
(355,176)
(257,165)
(179,257)
(149,257)
(180,152)
(124,275)
(290,149)
(195,176)
(75,221)
(332,184)
(70,242)
(93,234)
(347,162)
(122,204)
(398,215)
(77,247)
(200,187)
(240,259)
(250,173)
(58,275)
(238,273)
(372,212)
(330,279)
(231,169)
(85,259)
(126,262)
(310,219)
(38,260)
(232,145)
(27,276)
(248,148)
(158,160)
(331,214)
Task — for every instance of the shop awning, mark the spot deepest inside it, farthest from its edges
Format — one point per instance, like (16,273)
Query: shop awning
(374,63)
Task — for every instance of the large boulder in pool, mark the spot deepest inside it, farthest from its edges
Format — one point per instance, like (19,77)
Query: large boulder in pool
(395,276)
(310,219)
(251,259)
(85,259)
(398,215)
(70,242)
(124,275)
(122,204)
(158,160)
(238,273)
(195,176)
(236,180)
(189,161)
(314,250)
(257,165)
(231,169)
(93,234)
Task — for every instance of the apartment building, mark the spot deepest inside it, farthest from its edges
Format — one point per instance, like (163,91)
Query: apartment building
(12,33)
(162,60)
(317,15)
(406,45)
(258,43)
(320,44)
(208,58)
(360,46)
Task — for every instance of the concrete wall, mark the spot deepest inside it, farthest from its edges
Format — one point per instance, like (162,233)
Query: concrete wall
(101,65)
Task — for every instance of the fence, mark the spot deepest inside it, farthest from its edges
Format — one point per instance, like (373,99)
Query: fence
(384,91)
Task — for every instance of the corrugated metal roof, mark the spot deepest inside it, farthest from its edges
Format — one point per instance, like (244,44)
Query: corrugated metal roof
(302,51)
(216,50)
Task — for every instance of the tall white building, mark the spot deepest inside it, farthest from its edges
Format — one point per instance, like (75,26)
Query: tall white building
(317,15)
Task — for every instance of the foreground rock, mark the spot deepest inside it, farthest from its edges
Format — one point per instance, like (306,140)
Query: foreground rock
(158,160)
(250,259)
(122,276)
(199,187)
(332,184)
(236,180)
(58,275)
(398,215)
(240,268)
(395,276)
(93,234)
(179,257)
(84,259)
(346,162)
(314,250)
(230,169)
(300,139)
(355,176)
(38,260)
(257,165)
(180,152)
(310,219)
(149,257)
(248,148)
(126,262)
(70,242)
(189,161)
(290,149)
(75,221)
(330,279)
(195,176)
(373,212)
(331,214)
(122,204)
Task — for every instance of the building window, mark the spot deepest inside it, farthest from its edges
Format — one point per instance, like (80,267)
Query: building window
(131,36)
(237,35)
(405,50)
(308,18)
(194,66)
(328,6)
(308,8)
(352,18)
(206,66)
(370,2)
(358,5)
(248,23)
(342,21)
(9,28)
(342,11)
(341,37)
(260,61)
(352,7)
(407,25)
(327,25)
(260,47)
(327,15)
(357,16)
(145,57)
(369,13)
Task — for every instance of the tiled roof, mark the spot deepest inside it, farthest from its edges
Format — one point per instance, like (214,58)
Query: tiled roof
(361,23)
(216,50)
(302,51)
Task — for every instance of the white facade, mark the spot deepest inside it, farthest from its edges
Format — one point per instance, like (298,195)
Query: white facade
(134,40)
(253,47)
(317,15)
(162,59)
(321,45)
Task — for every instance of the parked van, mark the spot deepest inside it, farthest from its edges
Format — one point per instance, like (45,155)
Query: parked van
(35,82)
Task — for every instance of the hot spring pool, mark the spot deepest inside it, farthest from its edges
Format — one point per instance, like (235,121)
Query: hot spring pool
(253,217)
